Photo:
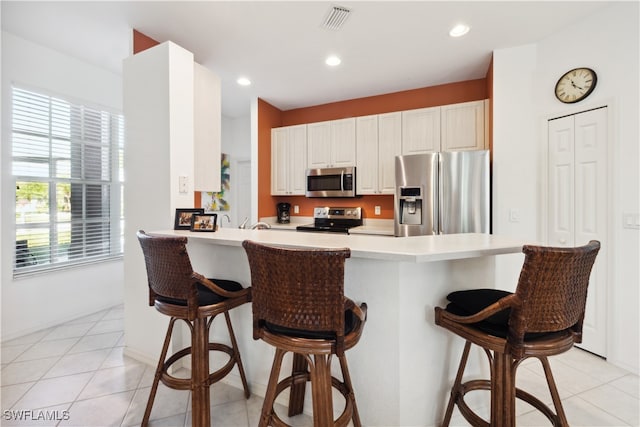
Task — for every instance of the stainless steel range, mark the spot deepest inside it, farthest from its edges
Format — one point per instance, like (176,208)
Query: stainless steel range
(333,220)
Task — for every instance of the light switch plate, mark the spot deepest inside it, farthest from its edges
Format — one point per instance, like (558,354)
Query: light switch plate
(631,220)
(183,184)
(514,215)
(377,210)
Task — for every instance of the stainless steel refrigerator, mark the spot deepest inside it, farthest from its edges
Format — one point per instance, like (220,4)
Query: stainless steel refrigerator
(442,193)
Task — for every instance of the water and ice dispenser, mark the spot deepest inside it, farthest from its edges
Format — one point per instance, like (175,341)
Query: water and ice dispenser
(416,195)
(410,200)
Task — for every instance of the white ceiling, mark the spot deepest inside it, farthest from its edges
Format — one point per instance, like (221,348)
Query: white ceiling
(386,46)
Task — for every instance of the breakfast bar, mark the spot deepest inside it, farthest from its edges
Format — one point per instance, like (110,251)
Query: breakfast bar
(403,365)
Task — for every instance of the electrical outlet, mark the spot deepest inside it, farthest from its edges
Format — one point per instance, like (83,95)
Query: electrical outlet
(296,209)
(377,210)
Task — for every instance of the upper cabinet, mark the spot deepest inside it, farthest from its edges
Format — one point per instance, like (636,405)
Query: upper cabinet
(371,143)
(288,160)
(421,130)
(454,127)
(331,143)
(378,142)
(462,126)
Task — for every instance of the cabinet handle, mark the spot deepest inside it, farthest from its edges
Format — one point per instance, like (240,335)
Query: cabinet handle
(563,241)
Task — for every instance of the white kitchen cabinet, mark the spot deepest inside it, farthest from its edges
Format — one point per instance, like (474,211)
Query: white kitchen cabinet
(378,141)
(288,160)
(331,143)
(318,145)
(421,130)
(462,126)
(367,155)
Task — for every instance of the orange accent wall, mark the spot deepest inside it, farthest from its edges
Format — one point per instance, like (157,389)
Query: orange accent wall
(268,117)
(452,93)
(472,90)
(142,42)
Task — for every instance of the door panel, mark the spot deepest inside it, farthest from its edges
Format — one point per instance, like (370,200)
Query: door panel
(561,182)
(591,218)
(279,161)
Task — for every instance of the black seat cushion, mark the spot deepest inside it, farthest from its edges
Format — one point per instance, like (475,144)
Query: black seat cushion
(468,302)
(205,295)
(474,300)
(350,322)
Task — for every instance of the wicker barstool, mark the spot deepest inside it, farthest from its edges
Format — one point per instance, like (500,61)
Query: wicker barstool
(542,318)
(177,291)
(299,306)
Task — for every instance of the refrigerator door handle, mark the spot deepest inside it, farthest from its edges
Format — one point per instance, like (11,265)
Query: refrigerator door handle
(437,205)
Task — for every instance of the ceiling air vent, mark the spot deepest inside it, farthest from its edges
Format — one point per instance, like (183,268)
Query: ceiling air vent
(336,17)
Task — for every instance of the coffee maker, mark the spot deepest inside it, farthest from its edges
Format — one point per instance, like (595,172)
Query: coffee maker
(283,212)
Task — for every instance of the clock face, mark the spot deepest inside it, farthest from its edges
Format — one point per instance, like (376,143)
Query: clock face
(575,85)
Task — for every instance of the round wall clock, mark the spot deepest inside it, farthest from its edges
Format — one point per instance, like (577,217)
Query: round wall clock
(575,85)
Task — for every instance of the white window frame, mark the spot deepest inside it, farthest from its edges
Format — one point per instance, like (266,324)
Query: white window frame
(102,131)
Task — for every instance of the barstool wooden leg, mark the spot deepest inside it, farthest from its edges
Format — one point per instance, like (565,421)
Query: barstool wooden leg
(270,395)
(320,371)
(555,396)
(455,389)
(351,394)
(158,374)
(200,394)
(503,391)
(236,355)
(297,389)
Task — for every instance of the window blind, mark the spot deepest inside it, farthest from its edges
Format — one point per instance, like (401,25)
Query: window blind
(67,165)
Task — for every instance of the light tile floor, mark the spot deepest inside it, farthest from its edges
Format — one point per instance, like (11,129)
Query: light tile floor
(77,374)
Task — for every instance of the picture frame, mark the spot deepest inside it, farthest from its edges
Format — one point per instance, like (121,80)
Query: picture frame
(204,222)
(183,218)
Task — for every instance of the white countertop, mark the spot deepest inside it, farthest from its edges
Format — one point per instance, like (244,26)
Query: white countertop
(407,249)
(375,228)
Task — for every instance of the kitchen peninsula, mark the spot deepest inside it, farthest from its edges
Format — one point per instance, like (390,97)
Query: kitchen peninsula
(403,365)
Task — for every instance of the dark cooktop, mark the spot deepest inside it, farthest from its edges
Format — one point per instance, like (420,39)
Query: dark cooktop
(333,220)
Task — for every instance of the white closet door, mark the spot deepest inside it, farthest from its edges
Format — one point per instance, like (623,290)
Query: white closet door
(577,203)
(561,182)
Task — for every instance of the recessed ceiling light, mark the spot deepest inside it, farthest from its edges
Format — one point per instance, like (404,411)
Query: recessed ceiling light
(243,81)
(332,61)
(459,30)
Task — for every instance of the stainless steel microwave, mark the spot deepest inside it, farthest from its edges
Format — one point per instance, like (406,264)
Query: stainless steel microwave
(331,182)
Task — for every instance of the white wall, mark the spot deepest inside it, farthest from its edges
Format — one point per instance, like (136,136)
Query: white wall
(514,153)
(40,301)
(236,142)
(524,79)
(159,108)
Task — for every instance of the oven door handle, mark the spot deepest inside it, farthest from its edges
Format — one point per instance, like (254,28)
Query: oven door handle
(341,180)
